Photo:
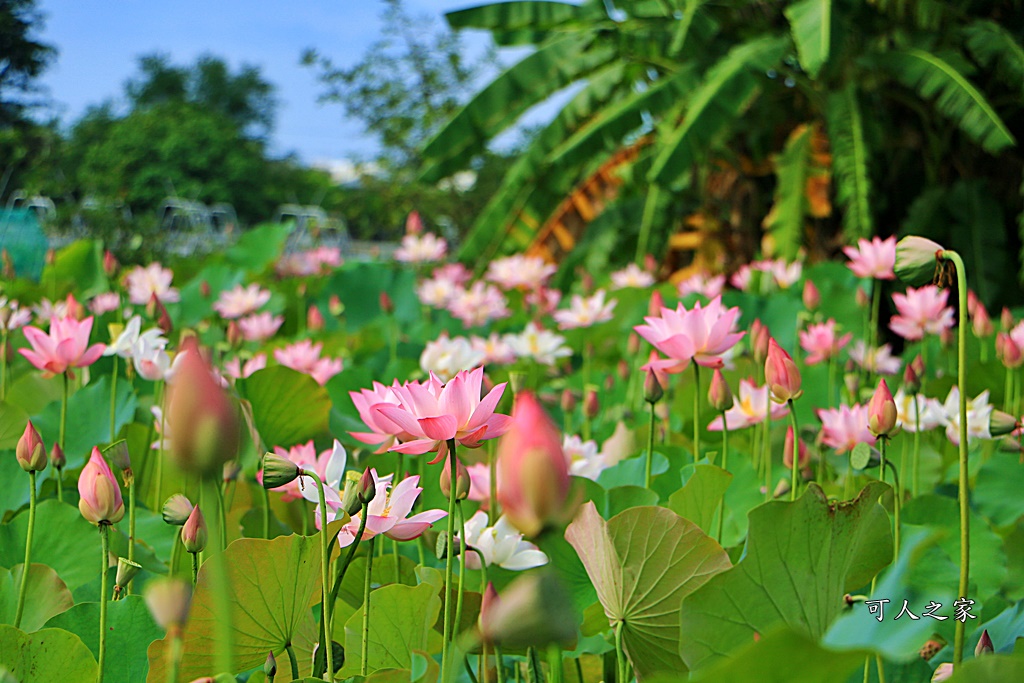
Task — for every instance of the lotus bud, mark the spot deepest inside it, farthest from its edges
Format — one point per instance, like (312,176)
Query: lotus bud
(656,304)
(653,391)
(852,382)
(1008,352)
(919,368)
(719,393)
(100,499)
(862,298)
(163,318)
(984,646)
(30,451)
(278,471)
(787,453)
(591,403)
(119,455)
(911,381)
(568,401)
(314,319)
(350,496)
(623,369)
(1006,320)
(75,309)
(334,305)
(461,479)
(168,600)
(387,306)
(126,571)
(1000,423)
(943,672)
(759,341)
(781,489)
(204,418)
(812,297)
(193,532)
(533,476)
(781,374)
(916,260)
(57,458)
(204,289)
(110,264)
(51,257)
(176,510)
(488,602)
(534,611)
(633,344)
(882,412)
(270,667)
(413,223)
(234,335)
(609,382)
(368,487)
(650,263)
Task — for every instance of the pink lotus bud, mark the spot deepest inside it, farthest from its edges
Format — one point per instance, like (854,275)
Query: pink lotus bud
(812,297)
(57,458)
(653,391)
(413,223)
(386,304)
(334,305)
(1008,352)
(234,334)
(882,411)
(623,369)
(863,299)
(100,499)
(270,666)
(568,401)
(911,380)
(75,309)
(719,393)
(177,510)
(110,264)
(918,364)
(51,257)
(759,337)
(587,282)
(656,304)
(981,322)
(787,453)
(972,302)
(984,646)
(168,600)
(591,403)
(533,477)
(461,476)
(193,532)
(916,260)
(1001,423)
(781,374)
(535,610)
(1006,319)
(30,451)
(314,319)
(367,487)
(609,382)
(633,344)
(943,672)
(650,263)
(163,318)
(488,603)
(204,418)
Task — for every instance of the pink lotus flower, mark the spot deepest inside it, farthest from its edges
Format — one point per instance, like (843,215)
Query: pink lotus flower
(520,272)
(704,284)
(312,262)
(434,413)
(781,374)
(104,303)
(445,356)
(100,499)
(480,484)
(742,278)
(144,283)
(12,316)
(325,369)
(700,334)
(304,357)
(845,427)
(631,276)
(437,292)
(821,342)
(584,312)
(383,432)
(749,408)
(65,347)
(261,326)
(495,349)
(234,368)
(543,300)
(875,259)
(879,361)
(421,248)
(239,301)
(921,311)
(387,513)
(478,305)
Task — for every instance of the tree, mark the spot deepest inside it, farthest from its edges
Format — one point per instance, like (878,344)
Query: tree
(244,97)
(22,57)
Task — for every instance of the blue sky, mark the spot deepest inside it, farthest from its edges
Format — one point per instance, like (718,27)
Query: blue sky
(99,42)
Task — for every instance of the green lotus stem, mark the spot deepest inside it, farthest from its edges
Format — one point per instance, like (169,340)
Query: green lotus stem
(650,449)
(725,466)
(499,664)
(365,653)
(493,510)
(162,393)
(462,563)
(266,513)
(63,429)
(174,655)
(965,539)
(555,663)
(620,655)
(767,447)
(104,590)
(446,643)
(294,662)
(131,525)
(325,561)
(175,552)
(28,549)
(917,447)
(223,516)
(195,567)
(113,401)
(222,596)
(796,451)
(579,669)
(897,505)
(348,558)
(876,302)
(696,413)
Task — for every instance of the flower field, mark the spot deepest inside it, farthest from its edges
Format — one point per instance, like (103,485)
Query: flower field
(501,472)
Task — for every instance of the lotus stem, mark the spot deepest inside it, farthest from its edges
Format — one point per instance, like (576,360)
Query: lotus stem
(876,304)
(555,663)
(696,413)
(294,662)
(63,429)
(794,483)
(965,539)
(462,562)
(917,447)
(766,447)
(113,401)
(174,654)
(195,567)
(725,466)
(365,653)
(131,526)
(222,595)
(104,590)
(325,561)
(223,515)
(650,449)
(446,643)
(28,549)
(3,362)
(620,655)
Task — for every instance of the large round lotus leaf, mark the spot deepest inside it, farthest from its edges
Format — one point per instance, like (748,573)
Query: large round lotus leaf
(45,596)
(45,656)
(270,584)
(288,407)
(643,562)
(800,559)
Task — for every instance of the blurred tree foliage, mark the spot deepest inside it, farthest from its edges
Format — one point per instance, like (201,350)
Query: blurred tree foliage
(22,58)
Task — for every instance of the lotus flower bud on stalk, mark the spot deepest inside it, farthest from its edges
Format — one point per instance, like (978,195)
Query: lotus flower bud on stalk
(916,260)
(206,420)
(609,382)
(1006,320)
(278,471)
(234,335)
(863,298)
(193,532)
(633,344)
(488,603)
(1001,424)
(1008,352)
(759,341)
(168,600)
(653,390)
(719,394)
(30,451)
(176,510)
(386,304)
(413,223)
(461,479)
(270,667)
(568,401)
(334,305)
(656,304)
(57,458)
(919,368)
(350,502)
(882,412)
(984,646)
(787,453)
(591,403)
(533,477)
(315,319)
(75,309)
(368,487)
(781,374)
(100,499)
(911,380)
(623,369)
(204,289)
(650,263)
(981,322)
(126,571)
(110,264)
(534,611)
(811,296)
(943,672)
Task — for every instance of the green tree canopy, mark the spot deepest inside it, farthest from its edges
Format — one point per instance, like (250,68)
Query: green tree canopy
(22,57)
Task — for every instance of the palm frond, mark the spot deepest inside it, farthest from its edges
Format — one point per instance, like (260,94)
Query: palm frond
(811,24)
(785,221)
(995,47)
(850,162)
